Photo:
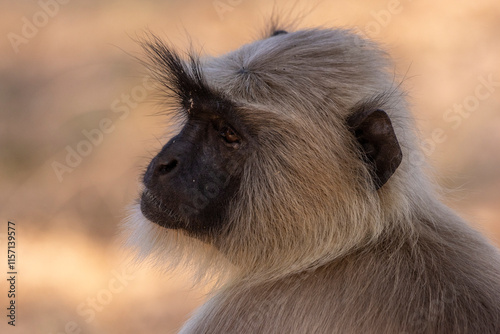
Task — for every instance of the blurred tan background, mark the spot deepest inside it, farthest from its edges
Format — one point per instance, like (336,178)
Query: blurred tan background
(65,66)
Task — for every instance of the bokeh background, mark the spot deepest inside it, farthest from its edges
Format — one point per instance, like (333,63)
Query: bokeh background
(67,69)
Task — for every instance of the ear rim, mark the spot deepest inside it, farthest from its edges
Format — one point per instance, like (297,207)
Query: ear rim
(378,143)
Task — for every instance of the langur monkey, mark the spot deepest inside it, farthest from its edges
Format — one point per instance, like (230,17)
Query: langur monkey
(297,177)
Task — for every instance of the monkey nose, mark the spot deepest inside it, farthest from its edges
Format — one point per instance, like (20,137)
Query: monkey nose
(165,168)
(158,167)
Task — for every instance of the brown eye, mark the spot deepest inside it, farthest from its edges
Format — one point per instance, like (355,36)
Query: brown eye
(229,135)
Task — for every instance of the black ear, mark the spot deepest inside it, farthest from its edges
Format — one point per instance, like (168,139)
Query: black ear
(373,130)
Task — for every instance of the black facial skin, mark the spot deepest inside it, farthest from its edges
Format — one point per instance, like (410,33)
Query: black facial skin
(191,182)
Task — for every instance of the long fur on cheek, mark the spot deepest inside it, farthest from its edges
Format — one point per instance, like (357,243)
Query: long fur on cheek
(167,250)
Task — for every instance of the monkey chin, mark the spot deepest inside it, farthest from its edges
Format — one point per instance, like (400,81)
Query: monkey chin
(153,210)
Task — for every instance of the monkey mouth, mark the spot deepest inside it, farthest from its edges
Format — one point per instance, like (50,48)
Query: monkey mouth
(155,211)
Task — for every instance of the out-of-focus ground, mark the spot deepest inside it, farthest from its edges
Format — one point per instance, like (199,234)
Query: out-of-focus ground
(67,72)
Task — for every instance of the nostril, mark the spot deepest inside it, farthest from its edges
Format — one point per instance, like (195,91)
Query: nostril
(167,168)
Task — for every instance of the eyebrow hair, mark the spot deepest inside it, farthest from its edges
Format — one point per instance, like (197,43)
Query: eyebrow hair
(182,81)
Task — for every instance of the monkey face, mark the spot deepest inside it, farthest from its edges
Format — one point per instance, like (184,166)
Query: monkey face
(191,182)
(263,136)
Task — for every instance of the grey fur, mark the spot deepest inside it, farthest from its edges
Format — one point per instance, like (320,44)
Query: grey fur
(313,247)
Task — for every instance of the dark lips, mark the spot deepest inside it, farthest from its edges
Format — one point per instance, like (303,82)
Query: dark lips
(153,210)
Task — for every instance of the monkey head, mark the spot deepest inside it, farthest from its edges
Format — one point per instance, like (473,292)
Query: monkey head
(289,149)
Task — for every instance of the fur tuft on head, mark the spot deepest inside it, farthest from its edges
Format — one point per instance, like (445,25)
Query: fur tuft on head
(180,81)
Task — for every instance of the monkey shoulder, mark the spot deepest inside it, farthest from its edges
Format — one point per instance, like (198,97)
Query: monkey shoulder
(390,289)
